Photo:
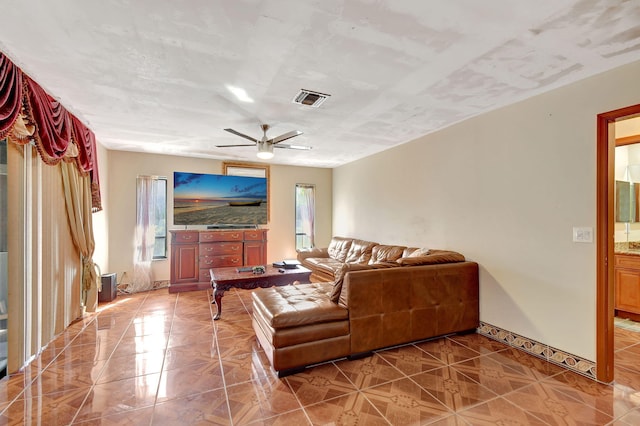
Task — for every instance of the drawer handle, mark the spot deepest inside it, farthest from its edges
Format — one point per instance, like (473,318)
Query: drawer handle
(187,237)
(235,248)
(208,262)
(236,235)
(234,260)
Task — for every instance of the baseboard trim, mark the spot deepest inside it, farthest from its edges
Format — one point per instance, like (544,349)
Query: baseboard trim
(556,356)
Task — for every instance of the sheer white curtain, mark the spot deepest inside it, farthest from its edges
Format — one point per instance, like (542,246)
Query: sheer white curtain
(307,208)
(144,235)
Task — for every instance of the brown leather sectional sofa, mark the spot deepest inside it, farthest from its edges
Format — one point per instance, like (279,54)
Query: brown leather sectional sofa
(367,306)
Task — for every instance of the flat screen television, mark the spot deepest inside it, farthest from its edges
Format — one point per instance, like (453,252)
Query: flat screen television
(219,200)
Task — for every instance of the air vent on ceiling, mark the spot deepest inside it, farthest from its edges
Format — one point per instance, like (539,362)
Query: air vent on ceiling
(310,98)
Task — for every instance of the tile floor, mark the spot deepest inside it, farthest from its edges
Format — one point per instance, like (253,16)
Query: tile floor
(158,358)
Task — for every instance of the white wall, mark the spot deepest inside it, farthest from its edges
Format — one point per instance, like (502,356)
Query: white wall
(504,189)
(124,167)
(626,128)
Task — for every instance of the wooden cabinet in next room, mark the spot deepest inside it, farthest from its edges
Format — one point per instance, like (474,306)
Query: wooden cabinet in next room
(194,252)
(627,286)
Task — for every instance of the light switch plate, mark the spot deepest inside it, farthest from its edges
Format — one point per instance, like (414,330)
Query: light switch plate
(582,234)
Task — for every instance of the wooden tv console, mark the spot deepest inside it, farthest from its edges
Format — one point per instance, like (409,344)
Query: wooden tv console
(194,252)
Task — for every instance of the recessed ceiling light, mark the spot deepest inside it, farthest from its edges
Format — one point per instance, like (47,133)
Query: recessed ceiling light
(240,93)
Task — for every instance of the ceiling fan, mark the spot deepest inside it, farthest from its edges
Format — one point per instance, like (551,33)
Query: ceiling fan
(265,145)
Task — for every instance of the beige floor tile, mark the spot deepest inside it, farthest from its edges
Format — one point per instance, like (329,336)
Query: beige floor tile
(349,409)
(260,399)
(410,359)
(116,397)
(548,403)
(452,388)
(499,411)
(447,351)
(207,408)
(403,402)
(319,384)
(190,380)
(370,371)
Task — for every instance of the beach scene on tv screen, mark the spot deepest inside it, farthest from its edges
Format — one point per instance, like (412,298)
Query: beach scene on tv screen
(209,199)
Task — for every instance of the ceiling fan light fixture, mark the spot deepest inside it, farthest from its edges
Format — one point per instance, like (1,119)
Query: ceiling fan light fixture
(265,151)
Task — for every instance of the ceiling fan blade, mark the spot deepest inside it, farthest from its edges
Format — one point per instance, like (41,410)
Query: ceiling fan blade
(285,136)
(287,146)
(242,135)
(227,146)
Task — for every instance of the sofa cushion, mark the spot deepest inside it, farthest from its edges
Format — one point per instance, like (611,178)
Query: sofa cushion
(327,265)
(360,251)
(384,254)
(434,257)
(339,247)
(297,305)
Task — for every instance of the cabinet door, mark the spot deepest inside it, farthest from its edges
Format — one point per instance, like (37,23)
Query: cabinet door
(184,263)
(627,290)
(254,253)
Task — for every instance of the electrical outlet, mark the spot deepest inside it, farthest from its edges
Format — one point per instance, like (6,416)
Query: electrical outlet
(582,234)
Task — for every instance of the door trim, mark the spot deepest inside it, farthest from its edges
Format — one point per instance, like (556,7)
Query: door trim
(605,158)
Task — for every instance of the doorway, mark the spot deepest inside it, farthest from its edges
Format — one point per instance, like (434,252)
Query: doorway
(605,158)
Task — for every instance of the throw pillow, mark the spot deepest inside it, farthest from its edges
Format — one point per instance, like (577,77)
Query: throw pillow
(420,252)
(442,256)
(384,253)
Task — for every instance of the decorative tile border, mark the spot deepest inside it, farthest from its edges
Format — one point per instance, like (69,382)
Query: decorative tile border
(572,362)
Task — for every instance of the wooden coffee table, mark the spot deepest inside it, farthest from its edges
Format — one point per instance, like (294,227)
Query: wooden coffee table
(222,279)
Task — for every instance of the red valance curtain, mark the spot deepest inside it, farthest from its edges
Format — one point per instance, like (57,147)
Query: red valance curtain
(56,130)
(87,159)
(53,124)
(10,95)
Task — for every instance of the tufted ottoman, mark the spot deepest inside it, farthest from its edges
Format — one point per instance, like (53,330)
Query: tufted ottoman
(298,325)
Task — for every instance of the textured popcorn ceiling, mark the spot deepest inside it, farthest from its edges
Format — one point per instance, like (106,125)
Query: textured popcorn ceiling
(152,75)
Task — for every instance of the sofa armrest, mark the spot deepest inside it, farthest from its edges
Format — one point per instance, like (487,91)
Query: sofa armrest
(312,252)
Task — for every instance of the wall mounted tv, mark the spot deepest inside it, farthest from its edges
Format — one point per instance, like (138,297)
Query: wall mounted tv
(209,199)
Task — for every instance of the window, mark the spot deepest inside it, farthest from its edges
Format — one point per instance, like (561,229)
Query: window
(160,207)
(305,216)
